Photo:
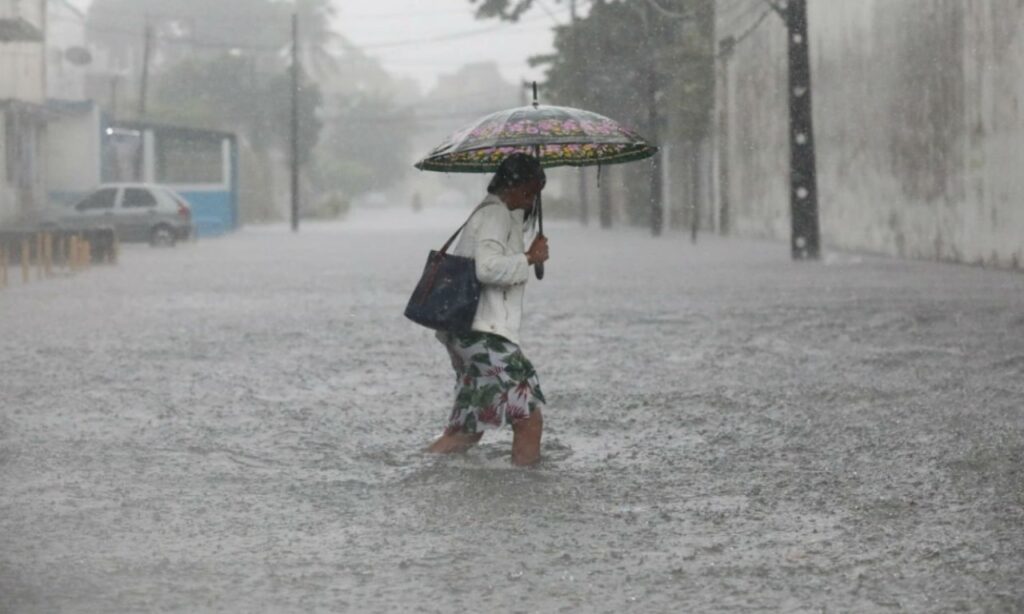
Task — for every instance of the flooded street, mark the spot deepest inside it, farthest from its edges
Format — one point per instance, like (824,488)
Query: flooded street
(236,425)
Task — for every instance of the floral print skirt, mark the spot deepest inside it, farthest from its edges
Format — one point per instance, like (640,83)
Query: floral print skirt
(495,384)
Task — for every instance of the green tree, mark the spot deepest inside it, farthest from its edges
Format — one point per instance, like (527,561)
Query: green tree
(227,92)
(183,29)
(646,63)
(365,146)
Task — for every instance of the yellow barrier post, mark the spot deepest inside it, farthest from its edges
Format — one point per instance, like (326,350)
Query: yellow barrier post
(57,247)
(25,270)
(48,254)
(39,256)
(73,253)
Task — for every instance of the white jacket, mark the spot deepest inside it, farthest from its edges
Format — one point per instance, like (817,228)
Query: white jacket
(494,238)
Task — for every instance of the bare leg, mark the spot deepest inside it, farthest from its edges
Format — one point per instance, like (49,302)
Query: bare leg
(455,442)
(526,439)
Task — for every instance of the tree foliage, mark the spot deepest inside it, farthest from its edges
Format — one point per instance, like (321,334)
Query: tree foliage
(184,28)
(228,92)
(365,145)
(649,64)
(509,10)
(225,65)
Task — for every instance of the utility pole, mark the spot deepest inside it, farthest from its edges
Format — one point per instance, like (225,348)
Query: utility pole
(657,217)
(295,122)
(146,51)
(805,241)
(695,189)
(604,197)
(584,192)
(113,95)
(725,50)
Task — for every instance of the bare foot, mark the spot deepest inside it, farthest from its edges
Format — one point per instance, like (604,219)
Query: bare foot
(454,443)
(526,439)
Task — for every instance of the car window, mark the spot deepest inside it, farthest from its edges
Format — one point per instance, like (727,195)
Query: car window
(177,198)
(138,197)
(100,199)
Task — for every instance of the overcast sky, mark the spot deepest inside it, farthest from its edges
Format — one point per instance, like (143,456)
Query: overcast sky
(424,38)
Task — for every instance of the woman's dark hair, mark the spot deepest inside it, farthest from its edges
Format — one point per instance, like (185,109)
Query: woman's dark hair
(516,169)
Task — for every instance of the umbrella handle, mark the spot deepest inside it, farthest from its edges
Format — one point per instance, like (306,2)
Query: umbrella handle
(538,269)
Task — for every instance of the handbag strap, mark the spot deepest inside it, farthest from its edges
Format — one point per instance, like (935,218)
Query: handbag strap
(447,244)
(431,277)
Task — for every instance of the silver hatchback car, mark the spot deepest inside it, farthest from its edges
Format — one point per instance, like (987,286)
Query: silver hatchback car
(137,212)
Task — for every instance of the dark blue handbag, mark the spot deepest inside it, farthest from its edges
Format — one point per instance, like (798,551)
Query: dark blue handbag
(448,291)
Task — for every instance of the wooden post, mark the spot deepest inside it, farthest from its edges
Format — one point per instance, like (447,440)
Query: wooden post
(55,252)
(40,265)
(48,254)
(73,253)
(3,264)
(25,254)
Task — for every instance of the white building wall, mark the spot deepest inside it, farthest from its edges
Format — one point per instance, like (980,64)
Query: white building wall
(30,11)
(65,30)
(919,121)
(8,197)
(73,152)
(22,76)
(22,84)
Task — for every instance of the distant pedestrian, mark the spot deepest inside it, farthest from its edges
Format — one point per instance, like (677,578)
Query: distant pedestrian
(495,383)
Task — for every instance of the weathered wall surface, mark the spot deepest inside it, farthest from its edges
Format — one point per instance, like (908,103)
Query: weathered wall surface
(918,121)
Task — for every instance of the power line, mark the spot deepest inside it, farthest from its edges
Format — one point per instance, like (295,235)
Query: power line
(411,118)
(400,14)
(385,45)
(664,12)
(736,17)
(453,35)
(544,7)
(735,40)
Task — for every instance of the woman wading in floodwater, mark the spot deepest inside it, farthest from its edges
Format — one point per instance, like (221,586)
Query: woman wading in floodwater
(495,383)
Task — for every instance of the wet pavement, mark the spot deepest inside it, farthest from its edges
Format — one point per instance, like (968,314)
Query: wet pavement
(235,425)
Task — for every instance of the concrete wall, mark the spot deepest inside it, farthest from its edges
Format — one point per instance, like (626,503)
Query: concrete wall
(22,76)
(8,197)
(22,65)
(918,120)
(73,152)
(22,79)
(65,29)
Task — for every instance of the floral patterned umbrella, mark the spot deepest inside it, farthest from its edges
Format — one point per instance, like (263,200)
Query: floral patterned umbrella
(559,136)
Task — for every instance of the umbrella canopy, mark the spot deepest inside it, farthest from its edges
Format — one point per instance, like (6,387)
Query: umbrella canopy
(558,136)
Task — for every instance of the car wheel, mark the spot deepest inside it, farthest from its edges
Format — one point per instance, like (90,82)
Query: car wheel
(162,236)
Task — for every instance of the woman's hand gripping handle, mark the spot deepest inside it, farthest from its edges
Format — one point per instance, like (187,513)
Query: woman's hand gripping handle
(538,254)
